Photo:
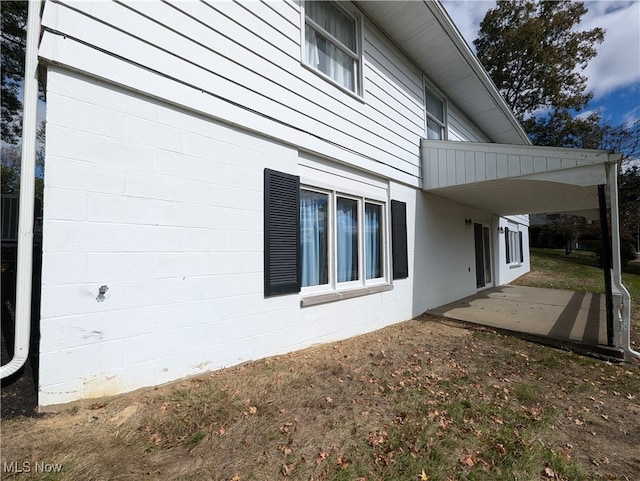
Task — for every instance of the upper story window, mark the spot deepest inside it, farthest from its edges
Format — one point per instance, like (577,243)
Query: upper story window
(331,43)
(436,121)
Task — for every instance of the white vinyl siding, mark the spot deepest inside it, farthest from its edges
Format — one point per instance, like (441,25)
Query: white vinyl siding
(216,57)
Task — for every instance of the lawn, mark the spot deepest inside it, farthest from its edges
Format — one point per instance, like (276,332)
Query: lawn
(580,272)
(424,399)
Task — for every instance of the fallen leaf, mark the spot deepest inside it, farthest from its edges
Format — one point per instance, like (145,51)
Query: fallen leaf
(321,457)
(423,476)
(286,450)
(236,477)
(548,472)
(253,410)
(466,460)
(284,429)
(286,469)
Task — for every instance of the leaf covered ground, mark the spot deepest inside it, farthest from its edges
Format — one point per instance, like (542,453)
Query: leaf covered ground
(424,399)
(427,399)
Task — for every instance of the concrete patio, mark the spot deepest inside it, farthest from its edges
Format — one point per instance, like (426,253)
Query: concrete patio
(576,320)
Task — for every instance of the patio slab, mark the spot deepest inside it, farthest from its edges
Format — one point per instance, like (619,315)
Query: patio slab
(577,318)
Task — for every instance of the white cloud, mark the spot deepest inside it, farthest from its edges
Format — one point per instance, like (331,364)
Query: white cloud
(467,15)
(617,64)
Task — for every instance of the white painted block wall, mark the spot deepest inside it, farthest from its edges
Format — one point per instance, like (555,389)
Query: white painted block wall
(165,207)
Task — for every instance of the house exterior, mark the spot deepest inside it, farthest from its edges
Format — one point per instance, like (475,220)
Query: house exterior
(231,180)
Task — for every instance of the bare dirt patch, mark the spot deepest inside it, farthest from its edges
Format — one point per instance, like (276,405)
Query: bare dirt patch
(425,396)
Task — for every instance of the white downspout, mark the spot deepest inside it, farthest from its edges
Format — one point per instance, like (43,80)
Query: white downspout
(27,196)
(625,331)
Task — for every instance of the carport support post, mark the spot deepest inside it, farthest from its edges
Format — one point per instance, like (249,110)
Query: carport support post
(606,261)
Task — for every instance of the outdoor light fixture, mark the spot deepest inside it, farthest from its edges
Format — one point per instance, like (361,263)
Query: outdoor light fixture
(500,230)
(468,222)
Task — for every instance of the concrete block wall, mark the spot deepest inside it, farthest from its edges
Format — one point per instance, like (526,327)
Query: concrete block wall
(165,207)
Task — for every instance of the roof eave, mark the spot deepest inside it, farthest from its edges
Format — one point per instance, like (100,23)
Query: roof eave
(405,23)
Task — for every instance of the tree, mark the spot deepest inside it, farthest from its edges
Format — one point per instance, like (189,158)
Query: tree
(560,129)
(13,21)
(533,54)
(10,169)
(629,200)
(624,139)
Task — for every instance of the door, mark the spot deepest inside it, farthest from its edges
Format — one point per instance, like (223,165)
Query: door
(482,240)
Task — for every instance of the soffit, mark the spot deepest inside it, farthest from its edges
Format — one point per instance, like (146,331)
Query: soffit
(425,32)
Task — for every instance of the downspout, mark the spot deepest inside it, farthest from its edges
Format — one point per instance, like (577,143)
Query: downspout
(27,196)
(625,331)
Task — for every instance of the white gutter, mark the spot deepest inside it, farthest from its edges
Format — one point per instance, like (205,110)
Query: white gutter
(27,199)
(625,326)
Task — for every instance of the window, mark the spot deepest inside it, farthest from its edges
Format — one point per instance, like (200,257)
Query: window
(436,125)
(314,242)
(329,240)
(358,243)
(347,239)
(331,43)
(373,240)
(513,244)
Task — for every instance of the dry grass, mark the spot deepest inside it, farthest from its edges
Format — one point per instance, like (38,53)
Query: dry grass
(422,395)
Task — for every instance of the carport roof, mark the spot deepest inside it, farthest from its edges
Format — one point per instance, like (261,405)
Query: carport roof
(516,179)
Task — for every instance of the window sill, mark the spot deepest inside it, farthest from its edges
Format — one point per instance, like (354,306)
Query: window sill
(515,266)
(318,299)
(355,94)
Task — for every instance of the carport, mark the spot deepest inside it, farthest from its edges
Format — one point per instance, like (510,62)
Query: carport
(523,179)
(576,320)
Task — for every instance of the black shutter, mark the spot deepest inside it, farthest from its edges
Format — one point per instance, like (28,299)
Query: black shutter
(521,251)
(281,233)
(506,244)
(399,239)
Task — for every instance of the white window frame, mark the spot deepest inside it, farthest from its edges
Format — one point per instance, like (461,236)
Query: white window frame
(514,246)
(357,56)
(362,282)
(444,124)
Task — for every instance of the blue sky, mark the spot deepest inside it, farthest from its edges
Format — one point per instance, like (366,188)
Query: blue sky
(613,76)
